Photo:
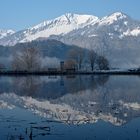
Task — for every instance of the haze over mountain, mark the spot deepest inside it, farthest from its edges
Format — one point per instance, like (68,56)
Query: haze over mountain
(116,36)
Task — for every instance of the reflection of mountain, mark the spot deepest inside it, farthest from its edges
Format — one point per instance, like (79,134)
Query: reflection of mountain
(117,101)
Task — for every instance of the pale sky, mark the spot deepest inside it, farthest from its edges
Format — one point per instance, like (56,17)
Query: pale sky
(20,14)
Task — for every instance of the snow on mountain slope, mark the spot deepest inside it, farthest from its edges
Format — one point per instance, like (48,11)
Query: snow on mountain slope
(60,25)
(116,24)
(5,33)
(134,32)
(112,18)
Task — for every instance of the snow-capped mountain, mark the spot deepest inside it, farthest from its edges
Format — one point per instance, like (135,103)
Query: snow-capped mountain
(116,36)
(73,25)
(115,26)
(5,33)
(61,25)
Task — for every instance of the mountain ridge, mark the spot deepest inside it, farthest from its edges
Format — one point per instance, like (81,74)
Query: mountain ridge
(65,24)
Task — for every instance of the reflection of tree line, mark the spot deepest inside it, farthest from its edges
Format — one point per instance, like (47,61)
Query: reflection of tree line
(36,87)
(84,82)
(28,86)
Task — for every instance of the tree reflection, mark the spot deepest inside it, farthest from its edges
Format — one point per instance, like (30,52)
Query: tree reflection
(27,86)
(50,88)
(80,83)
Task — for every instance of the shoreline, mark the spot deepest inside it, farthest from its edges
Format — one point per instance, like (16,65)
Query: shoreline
(47,73)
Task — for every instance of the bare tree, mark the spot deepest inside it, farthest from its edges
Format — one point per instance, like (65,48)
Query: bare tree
(28,86)
(92,59)
(77,55)
(102,63)
(27,59)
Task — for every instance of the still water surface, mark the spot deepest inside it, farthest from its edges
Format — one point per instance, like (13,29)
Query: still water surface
(70,108)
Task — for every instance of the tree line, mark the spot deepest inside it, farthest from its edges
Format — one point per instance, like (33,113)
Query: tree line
(29,59)
(76,58)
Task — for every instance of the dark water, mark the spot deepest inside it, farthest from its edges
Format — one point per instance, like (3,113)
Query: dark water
(70,108)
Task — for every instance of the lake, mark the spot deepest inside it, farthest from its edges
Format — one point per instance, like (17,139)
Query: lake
(88,107)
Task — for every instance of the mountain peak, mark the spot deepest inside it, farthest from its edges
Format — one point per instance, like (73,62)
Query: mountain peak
(4,33)
(77,18)
(118,15)
(112,18)
(70,14)
(7,31)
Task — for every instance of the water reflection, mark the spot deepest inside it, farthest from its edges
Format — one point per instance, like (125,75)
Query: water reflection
(52,87)
(69,100)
